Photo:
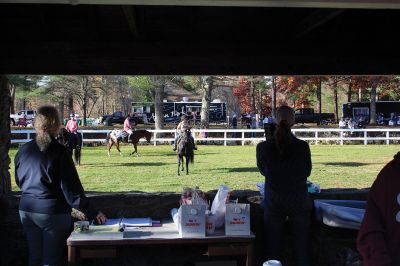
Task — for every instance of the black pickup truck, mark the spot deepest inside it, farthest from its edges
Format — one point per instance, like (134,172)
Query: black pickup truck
(117,118)
(307,115)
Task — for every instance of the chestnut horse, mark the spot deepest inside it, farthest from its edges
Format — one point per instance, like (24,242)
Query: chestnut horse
(114,137)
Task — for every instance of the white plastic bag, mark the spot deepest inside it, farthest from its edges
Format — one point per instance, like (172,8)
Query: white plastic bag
(218,207)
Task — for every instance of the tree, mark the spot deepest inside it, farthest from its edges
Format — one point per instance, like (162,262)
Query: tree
(82,88)
(25,88)
(251,94)
(155,85)
(298,89)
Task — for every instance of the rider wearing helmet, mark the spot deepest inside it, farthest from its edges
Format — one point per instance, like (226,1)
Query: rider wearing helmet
(182,127)
(72,125)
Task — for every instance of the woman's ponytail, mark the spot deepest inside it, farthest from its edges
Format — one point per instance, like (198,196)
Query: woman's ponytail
(283,136)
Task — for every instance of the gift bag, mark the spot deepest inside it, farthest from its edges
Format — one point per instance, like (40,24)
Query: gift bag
(237,219)
(219,205)
(192,220)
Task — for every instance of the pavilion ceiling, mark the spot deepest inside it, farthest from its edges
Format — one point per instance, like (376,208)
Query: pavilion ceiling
(127,39)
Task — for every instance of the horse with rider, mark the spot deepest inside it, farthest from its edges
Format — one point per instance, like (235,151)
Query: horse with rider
(182,127)
(72,127)
(127,135)
(71,138)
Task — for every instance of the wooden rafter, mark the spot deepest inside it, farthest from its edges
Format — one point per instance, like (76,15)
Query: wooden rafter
(130,16)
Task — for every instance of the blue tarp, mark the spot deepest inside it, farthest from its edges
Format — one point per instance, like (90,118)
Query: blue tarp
(340,213)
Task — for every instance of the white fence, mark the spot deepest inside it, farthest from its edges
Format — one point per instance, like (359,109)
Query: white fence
(243,136)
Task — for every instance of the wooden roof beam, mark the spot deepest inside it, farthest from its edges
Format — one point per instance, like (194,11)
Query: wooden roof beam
(315,20)
(130,16)
(364,4)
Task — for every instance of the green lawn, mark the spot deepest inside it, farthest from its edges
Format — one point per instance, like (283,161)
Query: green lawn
(349,166)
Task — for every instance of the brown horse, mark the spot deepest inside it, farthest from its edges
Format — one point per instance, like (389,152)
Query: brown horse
(185,149)
(113,138)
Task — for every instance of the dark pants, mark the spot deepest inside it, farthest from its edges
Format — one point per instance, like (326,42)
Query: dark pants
(299,223)
(46,235)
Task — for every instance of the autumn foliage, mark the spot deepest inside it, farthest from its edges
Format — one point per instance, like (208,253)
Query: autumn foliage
(244,93)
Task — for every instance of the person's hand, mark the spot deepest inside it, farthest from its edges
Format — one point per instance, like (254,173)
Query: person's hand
(101,218)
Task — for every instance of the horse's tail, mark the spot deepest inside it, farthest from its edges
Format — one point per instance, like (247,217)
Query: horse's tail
(191,157)
(108,136)
(190,154)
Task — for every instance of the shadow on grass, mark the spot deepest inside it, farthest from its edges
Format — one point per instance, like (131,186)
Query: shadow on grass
(173,153)
(239,170)
(124,164)
(347,164)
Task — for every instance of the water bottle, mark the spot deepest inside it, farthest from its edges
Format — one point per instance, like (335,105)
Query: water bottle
(272,263)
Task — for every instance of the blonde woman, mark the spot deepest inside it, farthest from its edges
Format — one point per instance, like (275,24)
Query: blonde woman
(285,161)
(50,187)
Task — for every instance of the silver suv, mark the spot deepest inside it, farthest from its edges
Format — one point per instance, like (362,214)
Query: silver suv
(14,118)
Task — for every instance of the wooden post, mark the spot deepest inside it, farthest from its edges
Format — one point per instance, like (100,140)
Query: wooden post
(5,136)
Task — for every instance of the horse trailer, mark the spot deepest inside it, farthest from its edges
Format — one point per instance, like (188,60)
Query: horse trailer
(385,110)
(174,110)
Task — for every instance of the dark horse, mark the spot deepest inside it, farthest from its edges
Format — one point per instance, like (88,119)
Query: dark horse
(185,149)
(73,143)
(113,138)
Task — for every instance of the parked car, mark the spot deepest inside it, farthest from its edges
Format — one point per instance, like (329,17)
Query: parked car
(118,118)
(307,115)
(14,118)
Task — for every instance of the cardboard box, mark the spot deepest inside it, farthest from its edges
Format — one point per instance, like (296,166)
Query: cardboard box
(192,221)
(237,219)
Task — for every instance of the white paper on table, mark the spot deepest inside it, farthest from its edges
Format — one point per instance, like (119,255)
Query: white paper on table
(130,221)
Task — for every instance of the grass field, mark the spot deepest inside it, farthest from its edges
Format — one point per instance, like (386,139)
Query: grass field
(349,166)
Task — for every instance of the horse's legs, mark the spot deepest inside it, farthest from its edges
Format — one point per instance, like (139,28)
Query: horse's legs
(117,145)
(135,146)
(183,162)
(187,166)
(77,154)
(179,164)
(109,145)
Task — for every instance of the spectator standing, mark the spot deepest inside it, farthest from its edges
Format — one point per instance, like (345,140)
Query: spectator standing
(22,121)
(378,239)
(50,187)
(234,124)
(285,161)
(253,126)
(342,123)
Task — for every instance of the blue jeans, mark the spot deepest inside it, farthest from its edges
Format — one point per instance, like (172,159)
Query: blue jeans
(46,235)
(300,225)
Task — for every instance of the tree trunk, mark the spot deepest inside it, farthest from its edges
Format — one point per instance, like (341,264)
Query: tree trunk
(5,136)
(61,109)
(84,107)
(12,102)
(159,105)
(205,102)
(335,98)
(260,109)
(273,96)
(349,90)
(372,112)
(252,96)
(319,96)
(359,98)
(70,104)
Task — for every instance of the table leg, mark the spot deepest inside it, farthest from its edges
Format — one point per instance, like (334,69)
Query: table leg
(249,259)
(71,256)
